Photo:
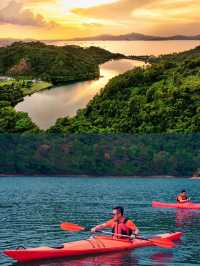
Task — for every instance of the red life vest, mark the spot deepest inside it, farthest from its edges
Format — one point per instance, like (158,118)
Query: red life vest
(121,228)
(182,197)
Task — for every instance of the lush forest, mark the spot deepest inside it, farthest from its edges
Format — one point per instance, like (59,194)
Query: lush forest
(36,60)
(161,98)
(100,154)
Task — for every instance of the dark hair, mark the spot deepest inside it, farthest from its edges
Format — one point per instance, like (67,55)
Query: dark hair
(119,209)
(183,191)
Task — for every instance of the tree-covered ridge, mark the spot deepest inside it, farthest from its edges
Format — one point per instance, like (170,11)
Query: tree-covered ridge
(163,97)
(51,63)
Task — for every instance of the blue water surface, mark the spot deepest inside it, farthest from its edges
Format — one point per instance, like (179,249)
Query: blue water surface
(31,209)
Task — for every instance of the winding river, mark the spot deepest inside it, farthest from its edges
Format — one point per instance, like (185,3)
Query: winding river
(47,106)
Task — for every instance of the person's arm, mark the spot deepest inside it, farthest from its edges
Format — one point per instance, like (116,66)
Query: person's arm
(101,226)
(183,201)
(133,227)
(180,200)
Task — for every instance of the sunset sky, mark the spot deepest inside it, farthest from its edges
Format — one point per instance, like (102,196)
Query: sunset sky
(65,19)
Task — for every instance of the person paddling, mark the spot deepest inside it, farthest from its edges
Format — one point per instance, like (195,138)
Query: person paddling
(119,223)
(182,197)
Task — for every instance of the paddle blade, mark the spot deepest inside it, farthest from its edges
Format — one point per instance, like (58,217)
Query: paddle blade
(71,227)
(163,243)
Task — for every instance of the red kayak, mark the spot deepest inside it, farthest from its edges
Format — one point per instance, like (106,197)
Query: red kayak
(93,245)
(187,205)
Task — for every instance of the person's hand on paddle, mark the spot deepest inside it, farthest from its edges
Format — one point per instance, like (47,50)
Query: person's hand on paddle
(93,230)
(135,234)
(97,228)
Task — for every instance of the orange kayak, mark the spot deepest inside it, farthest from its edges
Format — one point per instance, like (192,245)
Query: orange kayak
(187,205)
(93,245)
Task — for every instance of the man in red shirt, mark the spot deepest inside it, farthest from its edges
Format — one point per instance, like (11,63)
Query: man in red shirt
(120,225)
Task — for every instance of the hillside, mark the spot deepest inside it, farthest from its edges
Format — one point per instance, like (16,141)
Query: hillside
(162,98)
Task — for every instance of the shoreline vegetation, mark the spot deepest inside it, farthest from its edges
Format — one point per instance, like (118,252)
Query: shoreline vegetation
(36,87)
(162,99)
(98,176)
(30,87)
(158,155)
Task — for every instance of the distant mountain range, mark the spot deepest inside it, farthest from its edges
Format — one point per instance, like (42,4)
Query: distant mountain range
(136,37)
(106,37)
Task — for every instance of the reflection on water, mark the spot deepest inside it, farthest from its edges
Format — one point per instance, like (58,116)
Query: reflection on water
(113,259)
(47,106)
(162,258)
(186,217)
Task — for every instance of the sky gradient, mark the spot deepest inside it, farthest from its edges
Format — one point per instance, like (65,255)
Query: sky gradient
(65,19)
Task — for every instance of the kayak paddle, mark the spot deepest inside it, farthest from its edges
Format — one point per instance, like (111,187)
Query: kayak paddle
(163,243)
(72,227)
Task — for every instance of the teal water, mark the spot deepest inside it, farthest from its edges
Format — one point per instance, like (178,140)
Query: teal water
(31,209)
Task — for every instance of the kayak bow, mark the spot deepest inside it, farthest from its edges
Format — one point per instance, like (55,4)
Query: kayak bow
(93,245)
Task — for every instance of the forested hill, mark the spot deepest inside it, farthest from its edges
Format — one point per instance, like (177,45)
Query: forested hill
(164,97)
(51,63)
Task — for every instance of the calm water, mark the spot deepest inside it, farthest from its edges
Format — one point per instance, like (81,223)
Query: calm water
(138,47)
(31,209)
(47,106)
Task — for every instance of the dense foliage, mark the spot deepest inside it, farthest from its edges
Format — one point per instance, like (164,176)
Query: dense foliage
(51,63)
(134,155)
(10,120)
(163,97)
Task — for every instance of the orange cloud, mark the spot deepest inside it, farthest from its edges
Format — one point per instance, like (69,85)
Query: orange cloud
(118,10)
(14,13)
(148,16)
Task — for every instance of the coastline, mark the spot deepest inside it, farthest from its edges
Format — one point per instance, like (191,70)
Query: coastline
(96,176)
(40,86)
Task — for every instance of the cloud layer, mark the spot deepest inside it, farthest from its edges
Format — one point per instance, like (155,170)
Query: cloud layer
(149,14)
(15,13)
(59,18)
